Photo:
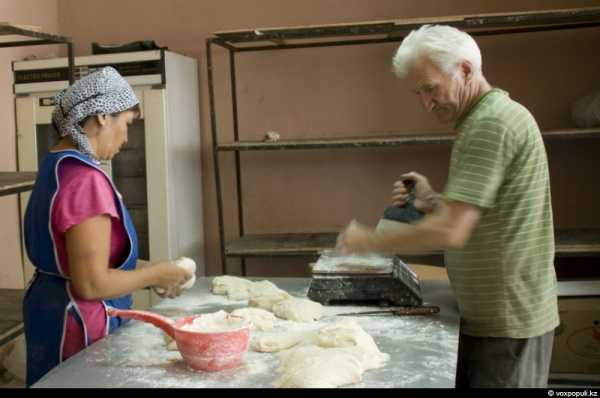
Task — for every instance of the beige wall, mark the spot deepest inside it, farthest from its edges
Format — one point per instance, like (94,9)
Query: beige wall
(346,91)
(26,12)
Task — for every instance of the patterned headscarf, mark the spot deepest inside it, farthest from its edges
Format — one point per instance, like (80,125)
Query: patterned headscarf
(104,91)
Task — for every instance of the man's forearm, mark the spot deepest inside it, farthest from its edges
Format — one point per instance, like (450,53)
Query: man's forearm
(410,239)
(433,232)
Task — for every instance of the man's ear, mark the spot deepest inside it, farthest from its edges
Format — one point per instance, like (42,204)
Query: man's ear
(466,68)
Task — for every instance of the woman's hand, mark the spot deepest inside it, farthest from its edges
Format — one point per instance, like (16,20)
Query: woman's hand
(88,248)
(170,277)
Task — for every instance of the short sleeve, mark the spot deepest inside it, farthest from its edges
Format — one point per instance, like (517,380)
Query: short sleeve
(479,164)
(83,193)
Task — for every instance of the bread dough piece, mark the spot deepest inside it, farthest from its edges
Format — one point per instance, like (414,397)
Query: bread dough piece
(264,288)
(338,356)
(267,301)
(312,366)
(275,342)
(298,309)
(235,288)
(260,319)
(349,334)
(170,342)
(189,265)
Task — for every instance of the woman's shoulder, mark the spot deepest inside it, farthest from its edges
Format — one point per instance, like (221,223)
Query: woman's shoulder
(74,171)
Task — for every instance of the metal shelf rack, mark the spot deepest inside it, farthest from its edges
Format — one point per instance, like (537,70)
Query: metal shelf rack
(12,182)
(569,242)
(17,36)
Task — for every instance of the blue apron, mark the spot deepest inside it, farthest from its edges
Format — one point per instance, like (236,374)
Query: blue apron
(48,299)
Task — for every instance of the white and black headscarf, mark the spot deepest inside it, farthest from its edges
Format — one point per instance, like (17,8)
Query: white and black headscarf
(104,91)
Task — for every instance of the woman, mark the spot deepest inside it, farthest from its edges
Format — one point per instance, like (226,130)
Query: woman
(78,233)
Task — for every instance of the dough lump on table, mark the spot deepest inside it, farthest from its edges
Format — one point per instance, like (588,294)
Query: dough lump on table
(243,289)
(275,342)
(298,309)
(260,319)
(349,334)
(264,288)
(312,366)
(233,287)
(170,342)
(267,301)
(339,355)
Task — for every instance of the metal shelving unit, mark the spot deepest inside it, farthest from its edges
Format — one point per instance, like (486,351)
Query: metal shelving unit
(13,182)
(17,36)
(569,242)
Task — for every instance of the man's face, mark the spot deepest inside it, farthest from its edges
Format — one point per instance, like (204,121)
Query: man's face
(438,92)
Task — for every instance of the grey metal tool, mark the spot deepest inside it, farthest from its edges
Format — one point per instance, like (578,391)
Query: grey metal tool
(416,310)
(408,213)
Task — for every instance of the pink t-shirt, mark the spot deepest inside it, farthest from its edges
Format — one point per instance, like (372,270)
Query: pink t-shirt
(83,193)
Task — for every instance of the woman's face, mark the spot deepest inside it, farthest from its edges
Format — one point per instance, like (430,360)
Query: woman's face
(112,135)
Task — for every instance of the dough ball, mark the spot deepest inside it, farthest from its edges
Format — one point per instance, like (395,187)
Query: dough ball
(233,287)
(260,319)
(170,342)
(312,366)
(349,334)
(275,342)
(298,309)
(267,301)
(264,288)
(189,265)
(338,354)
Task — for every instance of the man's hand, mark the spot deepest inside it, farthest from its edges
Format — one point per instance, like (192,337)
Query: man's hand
(424,194)
(355,239)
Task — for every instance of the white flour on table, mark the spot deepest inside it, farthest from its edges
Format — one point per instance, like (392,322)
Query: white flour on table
(138,357)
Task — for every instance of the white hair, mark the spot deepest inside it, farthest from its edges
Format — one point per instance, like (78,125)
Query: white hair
(445,46)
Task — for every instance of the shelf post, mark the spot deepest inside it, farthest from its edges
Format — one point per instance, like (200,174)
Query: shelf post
(236,137)
(213,125)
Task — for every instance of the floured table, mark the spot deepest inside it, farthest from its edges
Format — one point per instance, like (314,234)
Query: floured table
(422,349)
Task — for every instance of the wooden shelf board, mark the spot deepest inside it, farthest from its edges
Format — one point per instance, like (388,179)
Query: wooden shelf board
(578,242)
(15,182)
(475,23)
(16,35)
(569,242)
(281,244)
(384,141)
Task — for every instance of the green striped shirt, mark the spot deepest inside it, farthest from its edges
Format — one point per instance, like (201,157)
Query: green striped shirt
(504,278)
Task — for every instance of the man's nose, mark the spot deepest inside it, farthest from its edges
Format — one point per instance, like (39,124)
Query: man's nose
(426,101)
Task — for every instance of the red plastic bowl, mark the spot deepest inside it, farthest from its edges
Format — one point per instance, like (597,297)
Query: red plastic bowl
(208,351)
(211,351)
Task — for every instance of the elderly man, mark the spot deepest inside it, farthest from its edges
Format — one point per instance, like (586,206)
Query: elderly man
(494,218)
